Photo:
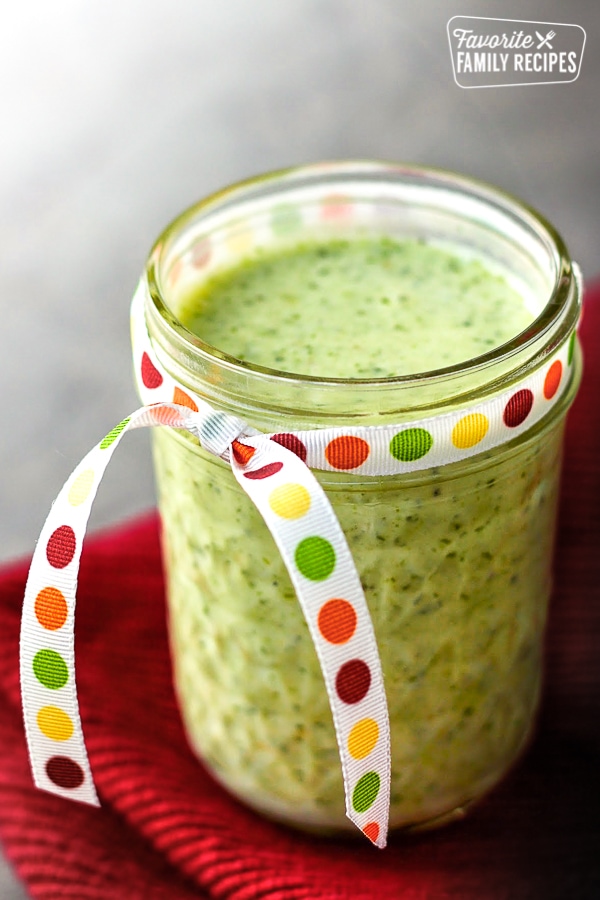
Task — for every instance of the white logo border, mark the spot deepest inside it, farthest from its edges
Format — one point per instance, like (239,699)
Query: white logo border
(468,87)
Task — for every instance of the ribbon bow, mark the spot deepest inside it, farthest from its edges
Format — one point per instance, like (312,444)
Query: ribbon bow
(275,471)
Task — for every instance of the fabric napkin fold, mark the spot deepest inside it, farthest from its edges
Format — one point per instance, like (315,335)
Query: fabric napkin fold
(166,831)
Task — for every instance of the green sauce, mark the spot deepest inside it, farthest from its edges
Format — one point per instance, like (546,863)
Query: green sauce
(368,308)
(454,562)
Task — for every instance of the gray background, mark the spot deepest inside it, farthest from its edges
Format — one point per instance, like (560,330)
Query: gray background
(117,115)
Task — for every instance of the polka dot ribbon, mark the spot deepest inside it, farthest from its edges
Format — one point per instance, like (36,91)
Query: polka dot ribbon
(275,471)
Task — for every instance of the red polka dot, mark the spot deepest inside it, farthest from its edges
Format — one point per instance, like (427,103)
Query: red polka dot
(65,772)
(265,471)
(353,681)
(151,377)
(371,830)
(552,379)
(291,442)
(337,621)
(201,253)
(346,452)
(60,549)
(518,408)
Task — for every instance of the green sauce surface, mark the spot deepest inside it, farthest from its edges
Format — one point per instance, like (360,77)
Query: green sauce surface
(361,308)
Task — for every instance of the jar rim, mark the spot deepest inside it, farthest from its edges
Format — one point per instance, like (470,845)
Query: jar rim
(554,322)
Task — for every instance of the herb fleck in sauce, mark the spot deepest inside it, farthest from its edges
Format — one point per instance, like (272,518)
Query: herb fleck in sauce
(369,308)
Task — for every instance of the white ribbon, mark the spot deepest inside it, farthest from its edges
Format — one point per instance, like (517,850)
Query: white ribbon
(274,470)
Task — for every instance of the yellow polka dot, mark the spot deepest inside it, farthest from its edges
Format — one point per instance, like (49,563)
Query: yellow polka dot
(55,723)
(80,489)
(469,430)
(290,501)
(240,242)
(363,738)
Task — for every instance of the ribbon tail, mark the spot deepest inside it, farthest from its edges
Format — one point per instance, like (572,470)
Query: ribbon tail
(317,557)
(321,568)
(53,729)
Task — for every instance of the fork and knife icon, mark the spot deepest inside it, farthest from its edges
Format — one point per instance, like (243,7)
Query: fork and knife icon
(545,41)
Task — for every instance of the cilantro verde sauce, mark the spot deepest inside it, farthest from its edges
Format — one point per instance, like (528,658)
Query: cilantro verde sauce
(454,562)
(365,308)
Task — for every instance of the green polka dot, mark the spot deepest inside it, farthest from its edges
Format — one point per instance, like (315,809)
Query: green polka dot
(365,792)
(114,434)
(285,218)
(50,669)
(315,558)
(411,444)
(572,347)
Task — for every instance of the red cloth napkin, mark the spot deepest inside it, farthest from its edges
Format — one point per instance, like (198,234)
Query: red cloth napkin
(165,830)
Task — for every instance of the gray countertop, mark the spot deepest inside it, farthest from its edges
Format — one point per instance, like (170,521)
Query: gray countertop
(116,116)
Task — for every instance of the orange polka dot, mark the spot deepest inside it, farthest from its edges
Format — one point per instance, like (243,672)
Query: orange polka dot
(175,271)
(346,452)
(337,621)
(336,206)
(371,830)
(165,415)
(242,453)
(552,379)
(182,399)
(51,608)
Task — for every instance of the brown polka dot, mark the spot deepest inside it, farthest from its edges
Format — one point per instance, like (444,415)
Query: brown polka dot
(65,772)
(291,442)
(353,681)
(518,408)
(201,253)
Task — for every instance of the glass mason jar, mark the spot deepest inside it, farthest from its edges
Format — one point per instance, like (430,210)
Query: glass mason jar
(455,561)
